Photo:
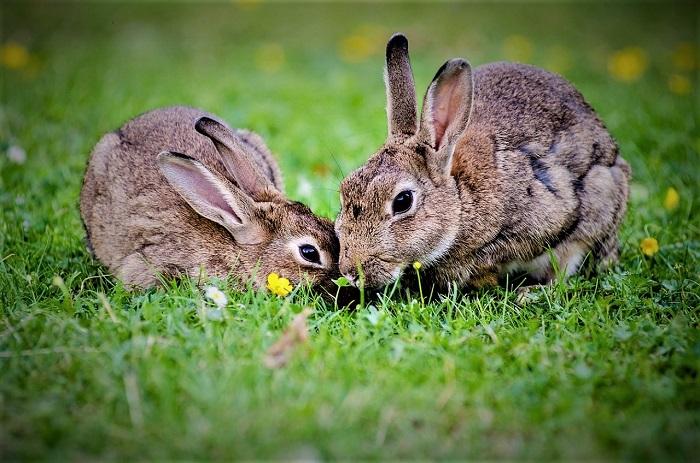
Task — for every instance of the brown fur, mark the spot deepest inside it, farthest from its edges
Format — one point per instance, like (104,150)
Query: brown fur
(139,226)
(507,163)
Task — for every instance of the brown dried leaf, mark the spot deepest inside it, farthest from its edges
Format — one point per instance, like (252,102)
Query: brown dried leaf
(280,352)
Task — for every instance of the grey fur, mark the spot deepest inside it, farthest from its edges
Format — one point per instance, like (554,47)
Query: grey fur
(139,226)
(535,168)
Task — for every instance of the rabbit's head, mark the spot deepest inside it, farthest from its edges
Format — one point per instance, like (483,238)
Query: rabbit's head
(268,232)
(403,205)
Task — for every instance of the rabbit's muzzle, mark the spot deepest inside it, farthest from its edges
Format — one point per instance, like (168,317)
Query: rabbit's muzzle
(369,270)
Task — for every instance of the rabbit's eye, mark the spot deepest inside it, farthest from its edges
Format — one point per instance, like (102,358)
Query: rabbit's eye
(310,253)
(402,202)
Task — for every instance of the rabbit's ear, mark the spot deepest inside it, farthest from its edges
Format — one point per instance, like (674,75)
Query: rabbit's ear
(238,161)
(210,196)
(446,108)
(400,89)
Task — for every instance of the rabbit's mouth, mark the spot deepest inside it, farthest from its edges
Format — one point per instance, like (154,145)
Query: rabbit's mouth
(376,272)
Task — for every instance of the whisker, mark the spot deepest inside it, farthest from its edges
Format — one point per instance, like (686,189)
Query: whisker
(337,164)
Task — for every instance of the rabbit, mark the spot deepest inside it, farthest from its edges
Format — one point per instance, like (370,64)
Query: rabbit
(507,162)
(176,192)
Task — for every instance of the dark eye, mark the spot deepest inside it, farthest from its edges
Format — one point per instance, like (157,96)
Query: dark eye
(310,253)
(402,202)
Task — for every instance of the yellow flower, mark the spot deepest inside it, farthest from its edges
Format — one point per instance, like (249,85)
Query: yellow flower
(14,56)
(685,57)
(518,48)
(679,84)
(361,44)
(270,57)
(628,64)
(672,199)
(278,285)
(417,265)
(649,246)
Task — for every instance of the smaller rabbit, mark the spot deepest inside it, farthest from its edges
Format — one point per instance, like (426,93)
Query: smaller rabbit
(507,162)
(177,192)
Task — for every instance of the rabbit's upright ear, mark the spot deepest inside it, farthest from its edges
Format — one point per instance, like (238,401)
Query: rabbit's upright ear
(211,196)
(446,108)
(238,160)
(400,89)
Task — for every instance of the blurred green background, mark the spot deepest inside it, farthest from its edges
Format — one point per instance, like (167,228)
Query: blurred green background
(308,78)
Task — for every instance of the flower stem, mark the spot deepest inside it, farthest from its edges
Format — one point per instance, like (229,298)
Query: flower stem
(420,288)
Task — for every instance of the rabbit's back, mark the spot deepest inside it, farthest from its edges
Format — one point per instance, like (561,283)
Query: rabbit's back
(537,112)
(545,164)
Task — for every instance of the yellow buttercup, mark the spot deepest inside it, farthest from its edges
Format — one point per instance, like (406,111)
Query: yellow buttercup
(649,246)
(278,285)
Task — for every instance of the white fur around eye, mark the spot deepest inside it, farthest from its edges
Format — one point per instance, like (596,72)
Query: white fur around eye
(293,247)
(398,188)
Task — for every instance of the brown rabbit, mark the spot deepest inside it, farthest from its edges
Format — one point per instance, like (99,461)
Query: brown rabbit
(506,163)
(218,207)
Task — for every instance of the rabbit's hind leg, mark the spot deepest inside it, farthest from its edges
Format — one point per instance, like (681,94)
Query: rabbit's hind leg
(567,257)
(607,251)
(136,272)
(603,203)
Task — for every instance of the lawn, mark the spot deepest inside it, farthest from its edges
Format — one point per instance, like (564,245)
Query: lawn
(603,367)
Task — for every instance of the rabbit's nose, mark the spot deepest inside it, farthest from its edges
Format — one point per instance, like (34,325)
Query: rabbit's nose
(352,279)
(351,276)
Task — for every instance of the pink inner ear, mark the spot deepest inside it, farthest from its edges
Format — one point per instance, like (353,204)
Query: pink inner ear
(200,189)
(445,107)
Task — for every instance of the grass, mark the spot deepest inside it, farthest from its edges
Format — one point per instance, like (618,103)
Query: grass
(598,368)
